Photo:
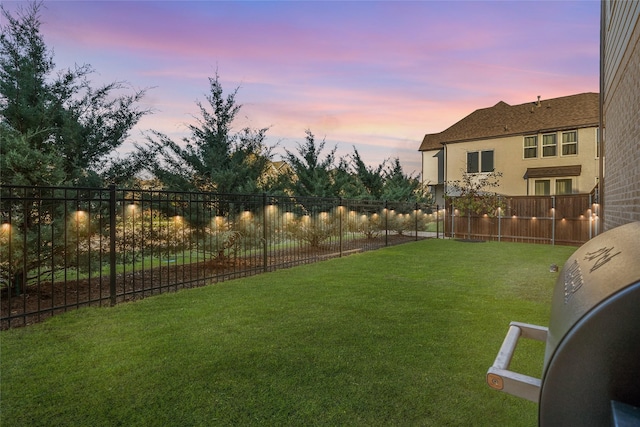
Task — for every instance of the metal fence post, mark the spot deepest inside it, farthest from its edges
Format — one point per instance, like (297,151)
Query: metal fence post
(453,219)
(386,223)
(112,244)
(265,246)
(340,223)
(499,223)
(437,221)
(553,220)
(415,212)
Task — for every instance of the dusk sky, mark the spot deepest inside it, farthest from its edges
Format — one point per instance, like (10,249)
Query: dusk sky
(374,75)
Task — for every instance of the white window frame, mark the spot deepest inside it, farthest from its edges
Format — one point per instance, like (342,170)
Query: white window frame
(569,144)
(533,148)
(547,145)
(553,185)
(480,169)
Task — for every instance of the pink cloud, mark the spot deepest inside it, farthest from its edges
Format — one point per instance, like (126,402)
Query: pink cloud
(378,74)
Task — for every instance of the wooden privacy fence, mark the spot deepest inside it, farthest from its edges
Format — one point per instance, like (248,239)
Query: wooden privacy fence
(563,220)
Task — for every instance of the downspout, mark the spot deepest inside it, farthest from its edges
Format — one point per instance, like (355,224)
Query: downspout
(444,166)
(422,167)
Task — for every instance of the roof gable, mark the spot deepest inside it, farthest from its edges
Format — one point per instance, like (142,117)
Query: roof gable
(568,112)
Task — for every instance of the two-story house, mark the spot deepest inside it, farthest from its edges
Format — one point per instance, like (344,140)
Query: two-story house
(543,147)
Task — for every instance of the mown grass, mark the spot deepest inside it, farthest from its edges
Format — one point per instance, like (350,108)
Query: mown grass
(399,336)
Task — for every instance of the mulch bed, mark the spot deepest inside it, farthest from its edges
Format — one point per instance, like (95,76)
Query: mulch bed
(39,302)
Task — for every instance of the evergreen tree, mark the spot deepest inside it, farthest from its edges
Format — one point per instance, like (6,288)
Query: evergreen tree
(310,175)
(58,115)
(213,158)
(346,183)
(371,179)
(399,187)
(21,164)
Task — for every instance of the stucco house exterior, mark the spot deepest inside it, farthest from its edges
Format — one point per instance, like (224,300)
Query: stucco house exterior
(542,147)
(620,100)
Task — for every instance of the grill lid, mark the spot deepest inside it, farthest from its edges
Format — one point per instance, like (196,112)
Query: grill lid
(592,354)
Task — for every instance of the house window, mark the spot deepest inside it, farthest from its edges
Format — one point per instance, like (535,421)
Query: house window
(473,162)
(543,187)
(569,143)
(530,147)
(549,145)
(563,186)
(598,143)
(486,161)
(480,161)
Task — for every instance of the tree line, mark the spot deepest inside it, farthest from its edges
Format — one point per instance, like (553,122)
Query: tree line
(58,129)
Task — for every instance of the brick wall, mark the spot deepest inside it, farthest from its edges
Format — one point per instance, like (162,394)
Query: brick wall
(622,137)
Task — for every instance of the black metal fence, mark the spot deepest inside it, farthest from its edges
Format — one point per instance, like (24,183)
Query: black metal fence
(64,248)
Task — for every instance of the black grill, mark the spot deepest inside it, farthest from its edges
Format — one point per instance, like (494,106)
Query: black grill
(591,373)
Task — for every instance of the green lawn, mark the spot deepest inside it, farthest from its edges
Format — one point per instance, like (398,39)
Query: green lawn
(398,336)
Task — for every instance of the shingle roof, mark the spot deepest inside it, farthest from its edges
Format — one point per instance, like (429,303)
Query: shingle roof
(553,171)
(568,112)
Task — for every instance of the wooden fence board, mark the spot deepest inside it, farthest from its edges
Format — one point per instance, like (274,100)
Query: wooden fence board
(564,220)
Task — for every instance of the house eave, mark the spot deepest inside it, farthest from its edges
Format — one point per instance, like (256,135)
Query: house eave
(529,132)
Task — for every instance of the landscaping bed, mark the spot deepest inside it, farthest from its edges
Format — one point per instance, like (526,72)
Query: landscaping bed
(41,301)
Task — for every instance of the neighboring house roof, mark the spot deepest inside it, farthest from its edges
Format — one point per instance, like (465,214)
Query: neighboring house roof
(276,168)
(568,112)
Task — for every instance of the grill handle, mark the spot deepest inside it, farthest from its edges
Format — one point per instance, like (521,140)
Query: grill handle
(499,377)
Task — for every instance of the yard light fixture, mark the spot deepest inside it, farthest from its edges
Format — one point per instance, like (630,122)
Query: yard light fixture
(80,215)
(271,208)
(218,222)
(131,209)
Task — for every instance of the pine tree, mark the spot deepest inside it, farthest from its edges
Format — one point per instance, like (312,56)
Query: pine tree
(58,114)
(213,158)
(371,179)
(310,175)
